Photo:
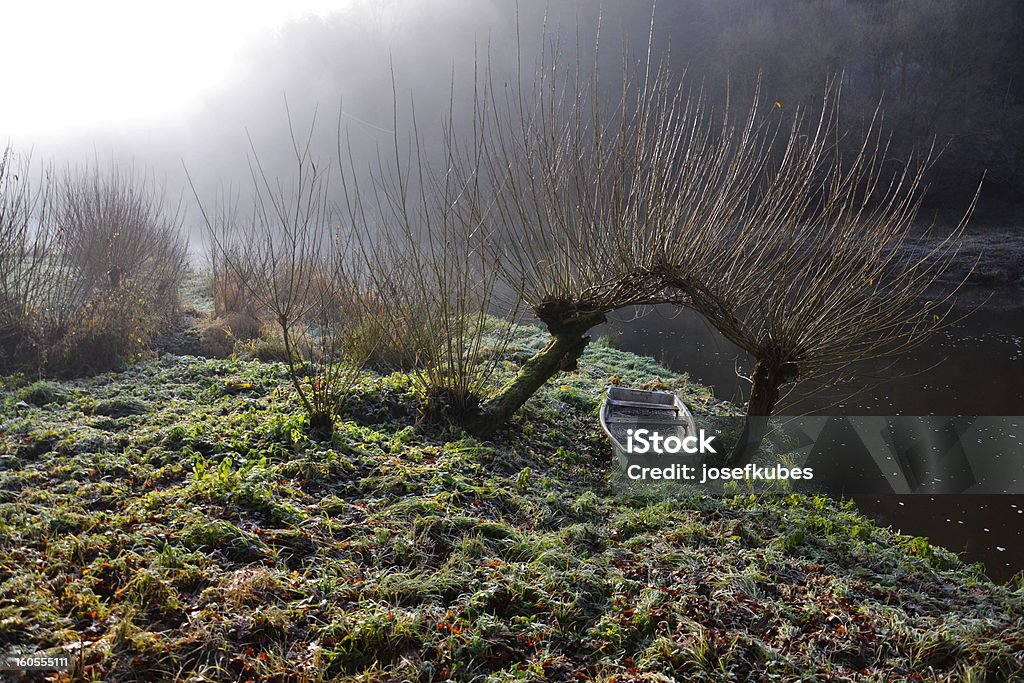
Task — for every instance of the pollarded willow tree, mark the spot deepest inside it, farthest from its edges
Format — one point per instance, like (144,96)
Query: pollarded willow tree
(786,231)
(90,265)
(818,267)
(784,234)
(284,253)
(569,198)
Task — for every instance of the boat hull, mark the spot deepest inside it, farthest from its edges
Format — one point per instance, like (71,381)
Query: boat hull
(659,412)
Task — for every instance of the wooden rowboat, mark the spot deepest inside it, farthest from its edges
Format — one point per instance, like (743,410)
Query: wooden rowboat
(658,411)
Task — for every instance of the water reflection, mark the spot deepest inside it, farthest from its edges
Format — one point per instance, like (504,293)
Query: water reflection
(985,529)
(972,368)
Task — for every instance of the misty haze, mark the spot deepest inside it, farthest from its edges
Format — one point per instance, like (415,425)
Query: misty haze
(321,323)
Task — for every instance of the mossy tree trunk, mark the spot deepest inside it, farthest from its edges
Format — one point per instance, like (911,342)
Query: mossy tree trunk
(767,379)
(321,426)
(568,340)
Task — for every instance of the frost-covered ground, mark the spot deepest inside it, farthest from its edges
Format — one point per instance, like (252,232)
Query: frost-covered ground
(173,522)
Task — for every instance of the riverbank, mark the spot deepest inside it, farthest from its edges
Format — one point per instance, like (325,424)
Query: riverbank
(173,520)
(989,267)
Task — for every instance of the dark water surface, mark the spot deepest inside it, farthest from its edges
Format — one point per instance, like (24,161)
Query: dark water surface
(975,367)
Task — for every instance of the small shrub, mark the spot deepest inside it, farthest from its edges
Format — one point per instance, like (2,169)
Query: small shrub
(269,349)
(231,296)
(219,336)
(215,339)
(432,311)
(121,407)
(286,266)
(42,392)
(112,329)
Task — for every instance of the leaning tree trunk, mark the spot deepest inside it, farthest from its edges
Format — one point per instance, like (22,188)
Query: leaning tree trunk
(564,350)
(766,380)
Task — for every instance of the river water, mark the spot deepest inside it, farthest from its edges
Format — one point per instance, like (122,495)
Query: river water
(974,367)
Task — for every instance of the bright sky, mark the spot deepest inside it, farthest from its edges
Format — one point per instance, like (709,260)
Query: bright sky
(70,65)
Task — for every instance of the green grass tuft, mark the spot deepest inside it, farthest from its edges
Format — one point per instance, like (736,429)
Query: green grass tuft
(42,393)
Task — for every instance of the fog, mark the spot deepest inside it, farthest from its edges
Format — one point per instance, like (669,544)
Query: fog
(942,70)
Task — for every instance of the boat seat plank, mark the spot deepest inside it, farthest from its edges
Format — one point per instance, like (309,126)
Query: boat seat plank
(643,404)
(646,419)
